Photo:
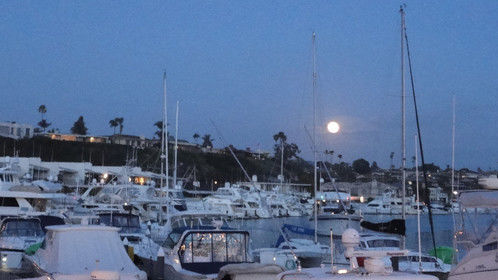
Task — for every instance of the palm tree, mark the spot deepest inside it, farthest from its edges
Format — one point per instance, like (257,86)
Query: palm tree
(43,123)
(196,137)
(207,142)
(280,136)
(159,132)
(42,110)
(120,121)
(113,124)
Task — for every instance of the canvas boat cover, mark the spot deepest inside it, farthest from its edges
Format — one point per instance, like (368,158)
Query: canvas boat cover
(83,249)
(479,199)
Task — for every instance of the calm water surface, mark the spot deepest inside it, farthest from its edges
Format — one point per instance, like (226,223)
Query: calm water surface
(264,232)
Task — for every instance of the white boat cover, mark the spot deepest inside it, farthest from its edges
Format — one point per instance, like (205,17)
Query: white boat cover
(77,250)
(479,199)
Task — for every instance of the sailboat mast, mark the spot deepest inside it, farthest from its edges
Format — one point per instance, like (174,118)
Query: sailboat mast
(281,164)
(453,151)
(162,132)
(176,145)
(164,148)
(315,189)
(403,114)
(418,205)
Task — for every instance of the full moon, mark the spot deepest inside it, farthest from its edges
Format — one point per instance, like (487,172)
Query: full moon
(333,127)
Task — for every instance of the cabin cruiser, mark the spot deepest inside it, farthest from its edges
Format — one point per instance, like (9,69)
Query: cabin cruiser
(335,213)
(390,204)
(190,219)
(481,246)
(409,262)
(84,252)
(16,235)
(293,248)
(424,264)
(204,252)
(131,233)
(363,264)
(490,182)
(233,208)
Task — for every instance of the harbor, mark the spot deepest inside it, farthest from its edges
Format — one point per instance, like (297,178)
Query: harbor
(260,140)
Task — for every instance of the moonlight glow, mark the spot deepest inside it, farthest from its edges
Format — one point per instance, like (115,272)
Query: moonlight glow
(333,127)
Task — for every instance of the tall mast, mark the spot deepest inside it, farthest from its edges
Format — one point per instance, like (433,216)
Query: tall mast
(281,164)
(418,205)
(162,132)
(176,146)
(453,151)
(314,137)
(403,115)
(164,148)
(455,257)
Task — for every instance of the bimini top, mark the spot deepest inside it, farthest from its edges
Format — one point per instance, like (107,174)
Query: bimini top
(482,199)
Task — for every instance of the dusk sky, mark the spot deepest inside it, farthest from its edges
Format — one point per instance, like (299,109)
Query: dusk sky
(247,66)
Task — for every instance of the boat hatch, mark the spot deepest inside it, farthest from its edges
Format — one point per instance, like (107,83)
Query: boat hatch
(207,251)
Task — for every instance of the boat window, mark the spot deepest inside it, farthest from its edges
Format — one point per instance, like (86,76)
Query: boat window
(8,202)
(236,247)
(21,228)
(213,247)
(373,205)
(382,243)
(219,247)
(363,245)
(490,246)
(201,247)
(186,255)
(172,240)
(403,259)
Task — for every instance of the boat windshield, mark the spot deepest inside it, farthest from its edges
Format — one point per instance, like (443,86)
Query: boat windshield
(205,247)
(21,228)
(127,223)
(380,243)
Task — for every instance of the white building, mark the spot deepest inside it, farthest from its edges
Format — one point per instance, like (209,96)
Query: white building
(16,130)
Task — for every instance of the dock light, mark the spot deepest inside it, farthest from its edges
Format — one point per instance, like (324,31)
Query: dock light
(126,204)
(92,139)
(4,259)
(106,175)
(455,192)
(342,271)
(333,127)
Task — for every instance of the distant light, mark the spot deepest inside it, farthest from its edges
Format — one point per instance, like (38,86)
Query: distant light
(333,127)
(455,192)
(4,259)
(342,271)
(92,139)
(362,199)
(106,175)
